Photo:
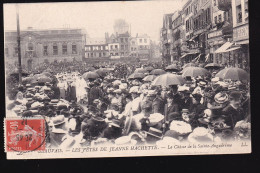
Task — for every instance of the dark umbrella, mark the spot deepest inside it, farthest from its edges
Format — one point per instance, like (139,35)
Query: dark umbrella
(48,74)
(149,78)
(136,76)
(43,79)
(194,72)
(189,65)
(233,73)
(172,67)
(157,72)
(150,68)
(101,72)
(140,70)
(168,79)
(212,66)
(89,69)
(16,72)
(28,79)
(90,75)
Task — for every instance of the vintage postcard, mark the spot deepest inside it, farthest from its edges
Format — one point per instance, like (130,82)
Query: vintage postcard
(130,78)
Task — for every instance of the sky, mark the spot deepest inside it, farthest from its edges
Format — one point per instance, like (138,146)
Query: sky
(95,17)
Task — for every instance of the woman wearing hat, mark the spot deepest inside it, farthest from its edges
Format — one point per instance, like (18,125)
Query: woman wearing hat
(233,112)
(171,109)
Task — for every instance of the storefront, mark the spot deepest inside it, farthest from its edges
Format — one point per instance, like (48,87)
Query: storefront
(215,41)
(241,37)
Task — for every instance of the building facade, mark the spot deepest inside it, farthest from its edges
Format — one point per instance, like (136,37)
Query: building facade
(124,44)
(143,44)
(96,48)
(38,46)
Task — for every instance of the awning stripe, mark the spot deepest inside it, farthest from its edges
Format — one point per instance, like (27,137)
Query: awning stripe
(224,47)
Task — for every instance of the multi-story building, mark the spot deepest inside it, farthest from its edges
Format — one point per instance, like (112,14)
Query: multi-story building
(113,45)
(201,24)
(143,44)
(133,47)
(49,45)
(177,35)
(124,44)
(96,48)
(166,37)
(241,31)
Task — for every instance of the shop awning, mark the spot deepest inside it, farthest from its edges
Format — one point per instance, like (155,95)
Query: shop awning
(224,47)
(207,57)
(233,48)
(243,42)
(197,58)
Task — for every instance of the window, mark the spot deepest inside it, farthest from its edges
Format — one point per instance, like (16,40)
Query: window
(246,10)
(132,48)
(74,49)
(45,50)
(55,49)
(122,53)
(122,40)
(111,47)
(140,40)
(216,19)
(219,18)
(141,47)
(116,47)
(116,54)
(91,54)
(122,47)
(6,51)
(104,54)
(126,40)
(99,54)
(239,14)
(145,40)
(64,49)
(215,2)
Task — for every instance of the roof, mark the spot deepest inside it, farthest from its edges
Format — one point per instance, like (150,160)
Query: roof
(143,36)
(95,41)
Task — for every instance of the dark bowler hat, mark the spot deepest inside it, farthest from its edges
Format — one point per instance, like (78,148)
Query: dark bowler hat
(235,95)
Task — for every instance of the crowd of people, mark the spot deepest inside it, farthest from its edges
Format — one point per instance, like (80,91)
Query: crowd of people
(84,109)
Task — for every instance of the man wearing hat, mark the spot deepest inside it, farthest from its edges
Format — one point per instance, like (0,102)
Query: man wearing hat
(197,108)
(157,102)
(171,109)
(233,112)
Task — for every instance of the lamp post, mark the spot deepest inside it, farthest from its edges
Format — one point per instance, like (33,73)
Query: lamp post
(19,47)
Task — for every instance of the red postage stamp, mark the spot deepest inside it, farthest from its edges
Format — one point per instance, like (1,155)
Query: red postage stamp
(23,135)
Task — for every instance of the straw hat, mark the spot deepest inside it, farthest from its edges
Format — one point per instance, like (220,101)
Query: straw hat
(200,134)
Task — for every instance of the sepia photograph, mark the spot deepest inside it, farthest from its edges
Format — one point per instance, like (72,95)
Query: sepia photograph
(126,78)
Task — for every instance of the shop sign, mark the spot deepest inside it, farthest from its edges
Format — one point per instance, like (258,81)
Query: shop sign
(240,33)
(215,34)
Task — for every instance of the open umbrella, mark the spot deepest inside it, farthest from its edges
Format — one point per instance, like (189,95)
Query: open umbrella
(48,74)
(172,67)
(194,72)
(140,70)
(149,78)
(233,73)
(43,79)
(168,79)
(189,65)
(102,72)
(28,80)
(89,69)
(157,72)
(149,68)
(136,76)
(16,72)
(90,75)
(212,66)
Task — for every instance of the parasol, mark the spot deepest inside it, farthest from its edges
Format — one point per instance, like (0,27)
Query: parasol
(194,72)
(149,78)
(140,70)
(172,67)
(90,75)
(157,72)
(136,76)
(189,65)
(233,73)
(149,68)
(212,66)
(168,79)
